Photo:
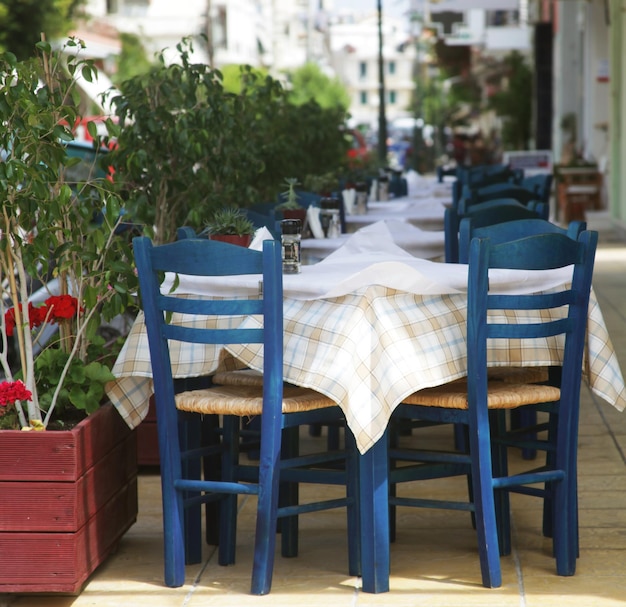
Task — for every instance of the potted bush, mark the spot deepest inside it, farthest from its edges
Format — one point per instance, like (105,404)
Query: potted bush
(188,142)
(71,491)
(230,224)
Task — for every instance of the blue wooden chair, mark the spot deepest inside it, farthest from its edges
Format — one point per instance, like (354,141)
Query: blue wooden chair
(479,403)
(480,176)
(498,232)
(283,410)
(471,198)
(486,213)
(541,185)
(507,224)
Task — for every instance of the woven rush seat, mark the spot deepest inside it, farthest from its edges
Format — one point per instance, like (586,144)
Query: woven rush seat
(519,375)
(501,395)
(241,377)
(248,400)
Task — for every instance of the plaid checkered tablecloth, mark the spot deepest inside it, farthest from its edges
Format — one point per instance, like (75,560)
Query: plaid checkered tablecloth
(366,350)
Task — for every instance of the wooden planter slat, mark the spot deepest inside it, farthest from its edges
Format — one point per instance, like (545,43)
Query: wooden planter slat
(66,506)
(62,455)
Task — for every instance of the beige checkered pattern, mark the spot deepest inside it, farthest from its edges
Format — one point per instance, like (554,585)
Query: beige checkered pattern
(367,351)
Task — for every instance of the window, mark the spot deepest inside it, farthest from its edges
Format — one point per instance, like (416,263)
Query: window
(362,69)
(392,97)
(391,67)
(363,96)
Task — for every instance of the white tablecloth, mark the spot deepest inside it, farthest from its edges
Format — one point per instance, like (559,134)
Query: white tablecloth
(426,244)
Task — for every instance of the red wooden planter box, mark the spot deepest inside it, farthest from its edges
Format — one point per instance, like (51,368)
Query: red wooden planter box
(147,439)
(67,499)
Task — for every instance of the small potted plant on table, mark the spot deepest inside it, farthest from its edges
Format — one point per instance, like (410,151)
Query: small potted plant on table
(230,224)
(290,208)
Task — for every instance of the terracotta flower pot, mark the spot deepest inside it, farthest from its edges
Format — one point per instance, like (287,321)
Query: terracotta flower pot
(295,214)
(242,241)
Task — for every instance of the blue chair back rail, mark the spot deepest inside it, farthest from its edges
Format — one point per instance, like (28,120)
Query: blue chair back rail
(471,198)
(479,403)
(509,224)
(282,411)
(492,211)
(540,185)
(479,176)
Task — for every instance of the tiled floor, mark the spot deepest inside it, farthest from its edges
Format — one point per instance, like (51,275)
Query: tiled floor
(434,560)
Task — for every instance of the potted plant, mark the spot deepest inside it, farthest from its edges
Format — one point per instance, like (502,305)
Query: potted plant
(230,224)
(290,207)
(64,271)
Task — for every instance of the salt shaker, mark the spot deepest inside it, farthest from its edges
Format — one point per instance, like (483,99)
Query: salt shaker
(361,198)
(329,217)
(291,231)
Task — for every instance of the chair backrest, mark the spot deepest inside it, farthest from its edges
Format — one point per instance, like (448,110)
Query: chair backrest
(453,216)
(541,185)
(481,176)
(506,224)
(471,196)
(162,311)
(539,252)
(262,220)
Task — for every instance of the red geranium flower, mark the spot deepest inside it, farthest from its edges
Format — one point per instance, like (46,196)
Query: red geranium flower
(62,306)
(11,391)
(36,317)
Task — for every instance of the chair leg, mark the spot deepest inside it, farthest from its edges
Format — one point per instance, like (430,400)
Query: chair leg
(525,418)
(267,507)
(484,502)
(228,504)
(353,510)
(190,438)
(393,438)
(500,470)
(334,432)
(460,439)
(212,465)
(289,495)
(173,517)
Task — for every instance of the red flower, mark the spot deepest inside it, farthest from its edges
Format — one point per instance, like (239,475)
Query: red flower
(36,316)
(11,391)
(56,307)
(62,306)
(9,321)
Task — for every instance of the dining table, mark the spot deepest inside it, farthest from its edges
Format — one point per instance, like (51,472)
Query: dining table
(426,213)
(367,326)
(427,244)
(423,206)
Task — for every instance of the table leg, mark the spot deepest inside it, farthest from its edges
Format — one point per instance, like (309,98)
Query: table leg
(374,517)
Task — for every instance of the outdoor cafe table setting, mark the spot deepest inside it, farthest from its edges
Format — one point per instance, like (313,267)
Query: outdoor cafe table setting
(367,326)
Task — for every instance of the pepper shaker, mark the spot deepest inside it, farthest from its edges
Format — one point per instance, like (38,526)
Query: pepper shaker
(291,231)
